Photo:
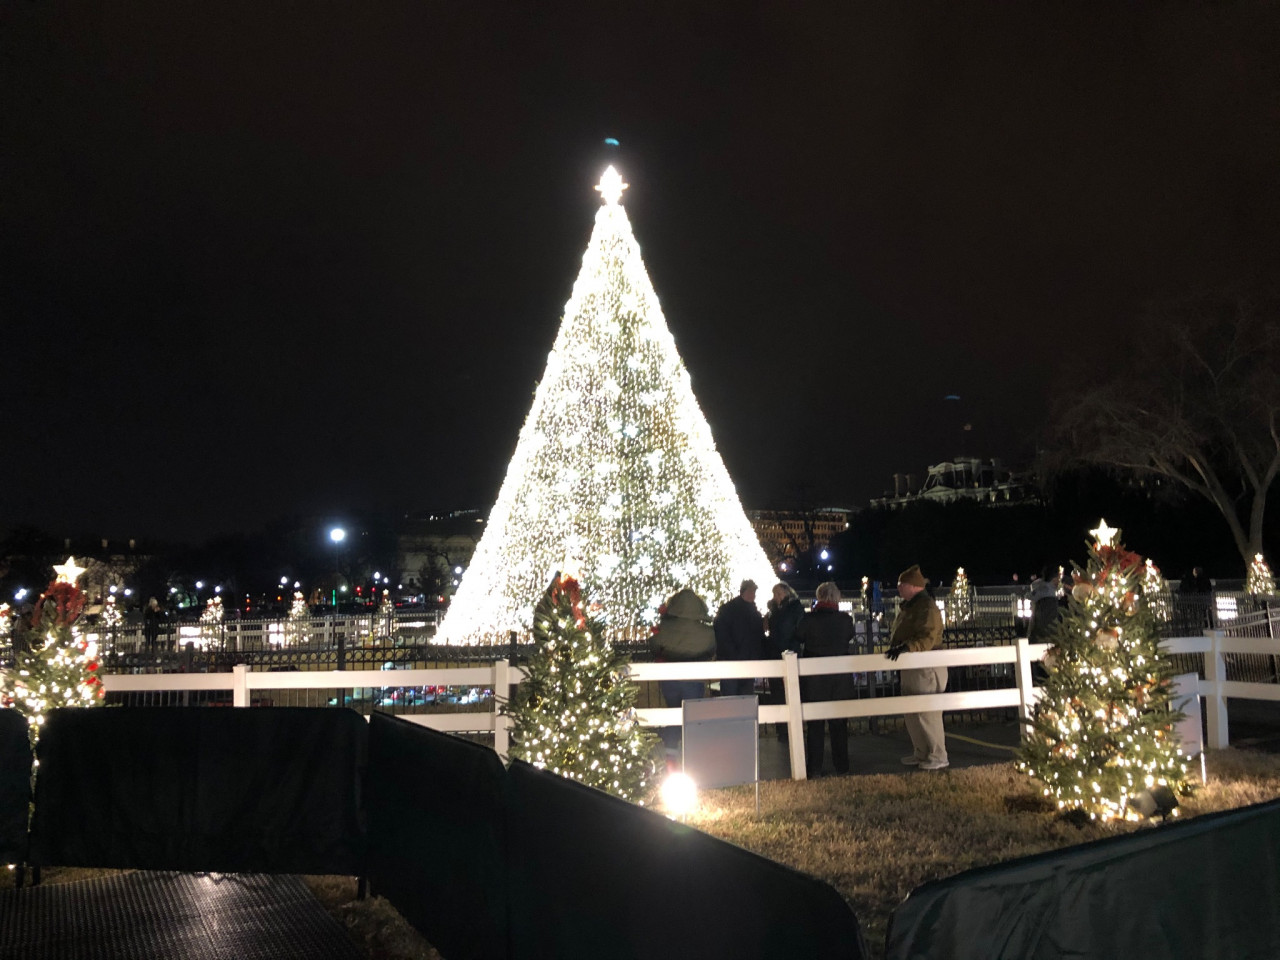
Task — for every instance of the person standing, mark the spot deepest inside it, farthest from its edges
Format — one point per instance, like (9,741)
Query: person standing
(683,634)
(739,631)
(1195,596)
(151,617)
(785,611)
(1045,609)
(916,629)
(826,632)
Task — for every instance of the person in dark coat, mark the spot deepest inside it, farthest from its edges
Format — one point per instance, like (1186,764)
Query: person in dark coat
(826,632)
(1046,611)
(151,617)
(739,631)
(1196,600)
(785,611)
(683,634)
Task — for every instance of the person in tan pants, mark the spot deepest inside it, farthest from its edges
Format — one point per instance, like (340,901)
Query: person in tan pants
(918,627)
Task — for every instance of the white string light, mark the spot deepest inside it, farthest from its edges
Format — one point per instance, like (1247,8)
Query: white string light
(615,468)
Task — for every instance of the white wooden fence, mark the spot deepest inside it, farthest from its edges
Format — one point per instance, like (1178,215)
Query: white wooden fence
(500,676)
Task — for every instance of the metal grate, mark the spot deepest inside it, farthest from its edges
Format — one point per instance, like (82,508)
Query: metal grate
(146,914)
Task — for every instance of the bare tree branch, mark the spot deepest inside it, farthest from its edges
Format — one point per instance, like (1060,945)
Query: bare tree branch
(1197,403)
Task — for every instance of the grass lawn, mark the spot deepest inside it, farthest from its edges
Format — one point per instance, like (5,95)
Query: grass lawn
(876,838)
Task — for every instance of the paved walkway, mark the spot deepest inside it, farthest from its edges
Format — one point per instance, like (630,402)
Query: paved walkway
(968,745)
(149,915)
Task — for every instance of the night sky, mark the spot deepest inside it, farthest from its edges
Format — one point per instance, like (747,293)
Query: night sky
(263,259)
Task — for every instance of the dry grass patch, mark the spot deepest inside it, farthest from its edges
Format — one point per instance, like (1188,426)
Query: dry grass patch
(58,875)
(373,924)
(876,838)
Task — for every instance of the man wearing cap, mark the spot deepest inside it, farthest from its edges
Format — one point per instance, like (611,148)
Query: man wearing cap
(917,628)
(739,632)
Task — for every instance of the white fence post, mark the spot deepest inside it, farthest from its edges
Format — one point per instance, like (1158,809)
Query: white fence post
(1026,688)
(795,716)
(501,722)
(1215,703)
(240,685)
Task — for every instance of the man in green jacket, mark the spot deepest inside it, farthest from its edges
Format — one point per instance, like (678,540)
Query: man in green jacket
(917,628)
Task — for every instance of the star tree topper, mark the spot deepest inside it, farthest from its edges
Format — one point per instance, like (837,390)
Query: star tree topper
(1104,534)
(611,186)
(68,572)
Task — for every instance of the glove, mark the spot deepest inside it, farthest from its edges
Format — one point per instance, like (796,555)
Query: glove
(895,651)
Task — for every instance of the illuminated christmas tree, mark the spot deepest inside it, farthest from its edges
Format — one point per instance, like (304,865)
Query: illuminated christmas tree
(1156,589)
(575,713)
(295,629)
(59,667)
(614,470)
(1260,582)
(211,621)
(1103,730)
(386,622)
(111,616)
(959,602)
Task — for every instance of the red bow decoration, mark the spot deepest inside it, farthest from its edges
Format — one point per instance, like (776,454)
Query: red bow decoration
(69,600)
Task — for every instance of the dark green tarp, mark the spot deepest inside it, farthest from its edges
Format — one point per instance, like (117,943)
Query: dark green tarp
(206,789)
(437,840)
(1206,888)
(15,786)
(593,876)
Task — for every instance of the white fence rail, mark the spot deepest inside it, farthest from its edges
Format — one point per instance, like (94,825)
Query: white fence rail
(500,676)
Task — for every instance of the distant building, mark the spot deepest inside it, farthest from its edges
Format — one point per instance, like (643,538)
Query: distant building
(788,534)
(431,548)
(965,479)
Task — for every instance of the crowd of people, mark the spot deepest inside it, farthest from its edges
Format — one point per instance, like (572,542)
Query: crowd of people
(738,631)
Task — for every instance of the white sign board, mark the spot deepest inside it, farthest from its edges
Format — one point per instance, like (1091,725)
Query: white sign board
(1186,697)
(722,741)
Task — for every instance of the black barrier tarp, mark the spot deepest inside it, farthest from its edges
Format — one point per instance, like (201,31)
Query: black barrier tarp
(437,841)
(205,789)
(15,786)
(593,876)
(1203,888)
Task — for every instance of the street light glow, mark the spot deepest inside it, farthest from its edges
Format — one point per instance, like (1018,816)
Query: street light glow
(679,794)
(337,534)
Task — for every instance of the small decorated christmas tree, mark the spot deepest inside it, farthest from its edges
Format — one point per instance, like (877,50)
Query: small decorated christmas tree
(1103,730)
(211,621)
(295,629)
(1156,590)
(959,602)
(58,668)
(111,616)
(575,713)
(1260,583)
(384,623)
